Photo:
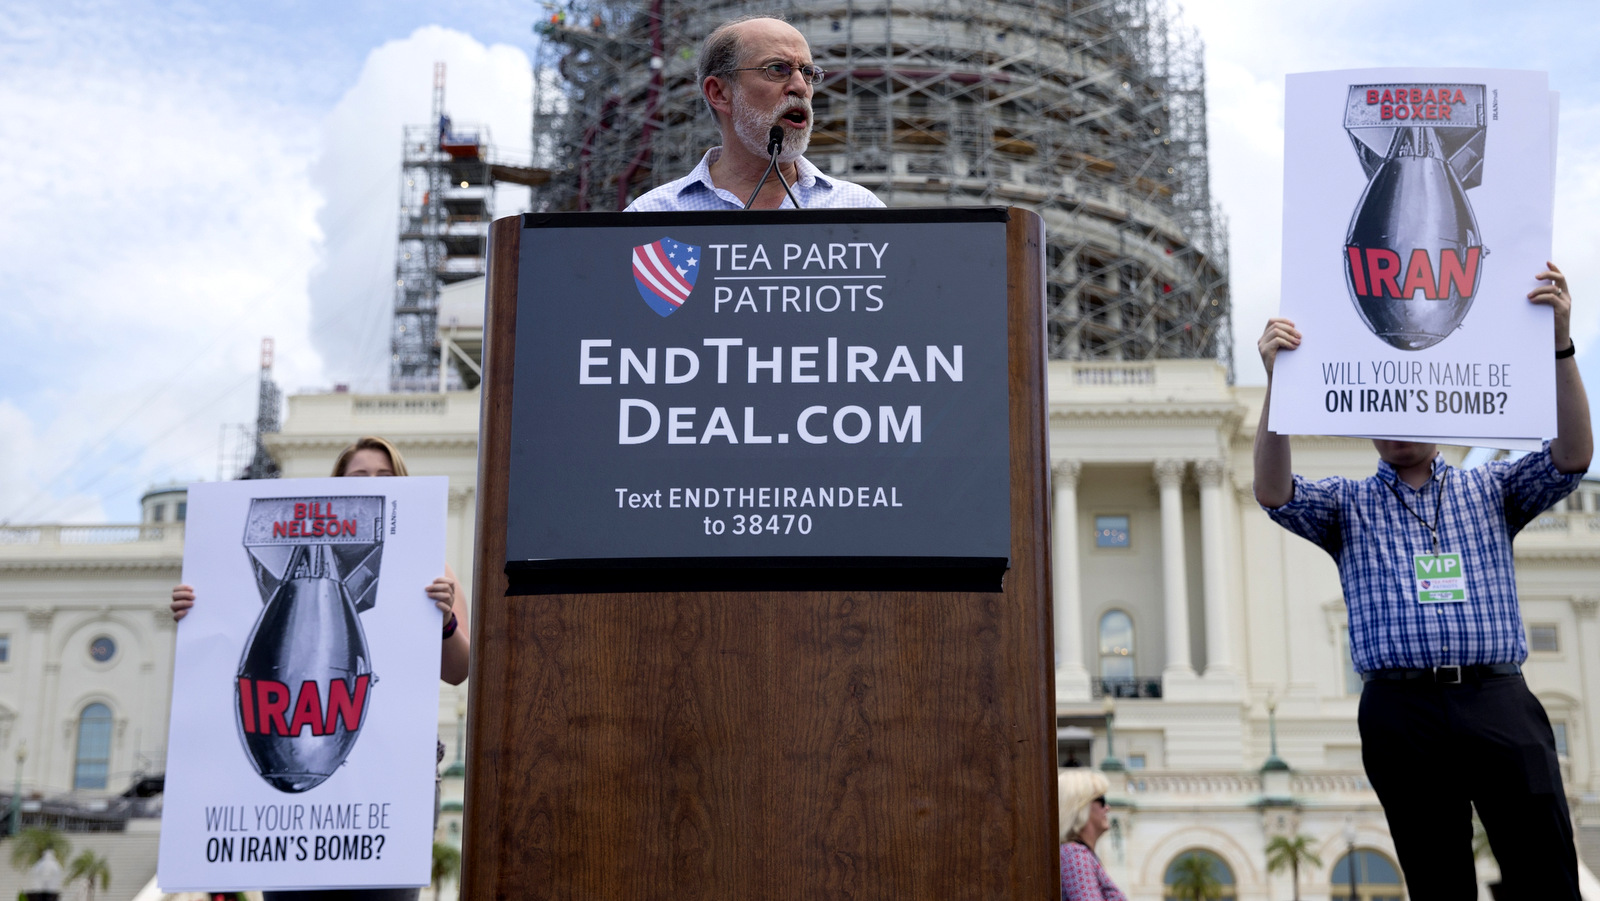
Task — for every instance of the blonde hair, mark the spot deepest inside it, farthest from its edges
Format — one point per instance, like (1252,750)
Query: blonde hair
(1075,789)
(396,462)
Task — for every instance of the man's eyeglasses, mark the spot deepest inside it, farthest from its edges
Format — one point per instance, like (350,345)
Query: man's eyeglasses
(782,71)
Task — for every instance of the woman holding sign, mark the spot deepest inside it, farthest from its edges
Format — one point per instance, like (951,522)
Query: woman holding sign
(377,457)
(372,456)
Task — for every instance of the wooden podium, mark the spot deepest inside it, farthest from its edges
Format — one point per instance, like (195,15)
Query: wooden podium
(744,744)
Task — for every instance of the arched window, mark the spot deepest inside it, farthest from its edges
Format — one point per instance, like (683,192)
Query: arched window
(1377,878)
(1116,646)
(1196,867)
(94,747)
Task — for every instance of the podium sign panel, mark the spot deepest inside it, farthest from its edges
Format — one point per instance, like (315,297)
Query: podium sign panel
(853,702)
(695,393)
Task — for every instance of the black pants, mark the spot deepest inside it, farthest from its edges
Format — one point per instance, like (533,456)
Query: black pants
(1434,751)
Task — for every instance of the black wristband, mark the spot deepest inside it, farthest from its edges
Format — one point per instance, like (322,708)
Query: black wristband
(449,627)
(1572,348)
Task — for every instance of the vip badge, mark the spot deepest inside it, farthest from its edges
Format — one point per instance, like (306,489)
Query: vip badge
(1440,578)
(305,678)
(1413,252)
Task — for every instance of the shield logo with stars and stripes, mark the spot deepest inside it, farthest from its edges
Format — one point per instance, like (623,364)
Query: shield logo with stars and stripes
(665,272)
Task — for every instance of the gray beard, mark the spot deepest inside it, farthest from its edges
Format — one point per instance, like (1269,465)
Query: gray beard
(752,126)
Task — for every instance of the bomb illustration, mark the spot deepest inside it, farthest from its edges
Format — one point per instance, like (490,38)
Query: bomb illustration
(1413,252)
(305,678)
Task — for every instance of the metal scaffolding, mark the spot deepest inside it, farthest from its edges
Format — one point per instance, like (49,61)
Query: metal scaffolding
(241,448)
(1090,112)
(446,201)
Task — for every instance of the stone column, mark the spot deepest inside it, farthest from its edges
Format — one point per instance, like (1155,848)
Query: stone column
(1587,611)
(56,764)
(1072,680)
(34,727)
(163,639)
(460,535)
(1169,475)
(1213,536)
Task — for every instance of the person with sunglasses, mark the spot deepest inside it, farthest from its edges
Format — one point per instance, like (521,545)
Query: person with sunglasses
(1084,817)
(756,73)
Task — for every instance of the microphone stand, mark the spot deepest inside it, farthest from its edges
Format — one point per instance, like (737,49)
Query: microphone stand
(774,146)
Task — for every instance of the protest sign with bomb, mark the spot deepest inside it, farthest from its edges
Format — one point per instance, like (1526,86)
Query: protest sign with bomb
(1407,267)
(291,764)
(306,674)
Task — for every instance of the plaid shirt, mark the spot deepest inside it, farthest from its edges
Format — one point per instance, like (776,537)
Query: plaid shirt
(1372,537)
(696,192)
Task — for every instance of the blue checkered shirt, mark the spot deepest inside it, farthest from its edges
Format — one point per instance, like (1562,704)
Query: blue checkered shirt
(1363,526)
(696,192)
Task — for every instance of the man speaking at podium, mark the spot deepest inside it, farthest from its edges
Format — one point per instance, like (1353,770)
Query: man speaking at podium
(756,75)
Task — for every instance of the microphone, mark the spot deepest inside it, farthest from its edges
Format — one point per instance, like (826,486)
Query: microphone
(774,147)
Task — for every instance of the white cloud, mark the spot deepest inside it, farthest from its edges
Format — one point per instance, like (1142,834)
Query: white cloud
(24,449)
(1577,230)
(156,228)
(1252,44)
(1245,114)
(168,203)
(358,171)
(163,217)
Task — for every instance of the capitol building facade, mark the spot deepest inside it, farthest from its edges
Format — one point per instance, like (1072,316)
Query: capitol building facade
(1193,636)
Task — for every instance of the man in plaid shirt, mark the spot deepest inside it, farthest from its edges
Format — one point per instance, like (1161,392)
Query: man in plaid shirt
(756,73)
(1446,721)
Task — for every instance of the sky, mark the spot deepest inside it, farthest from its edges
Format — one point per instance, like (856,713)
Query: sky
(182,179)
(1250,45)
(186,178)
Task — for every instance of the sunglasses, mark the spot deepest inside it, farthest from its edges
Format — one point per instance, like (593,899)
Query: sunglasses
(782,71)
(1101,801)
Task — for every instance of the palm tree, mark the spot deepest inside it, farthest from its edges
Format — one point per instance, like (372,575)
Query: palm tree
(91,868)
(1193,880)
(1291,852)
(446,863)
(32,842)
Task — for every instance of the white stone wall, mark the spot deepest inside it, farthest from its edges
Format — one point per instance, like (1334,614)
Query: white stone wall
(54,601)
(1263,610)
(1277,601)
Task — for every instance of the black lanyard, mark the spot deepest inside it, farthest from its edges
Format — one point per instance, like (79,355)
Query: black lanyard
(1438,508)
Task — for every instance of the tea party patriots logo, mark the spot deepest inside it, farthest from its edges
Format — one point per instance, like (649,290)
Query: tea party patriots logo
(665,273)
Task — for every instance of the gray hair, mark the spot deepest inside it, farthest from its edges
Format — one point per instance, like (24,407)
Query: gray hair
(720,52)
